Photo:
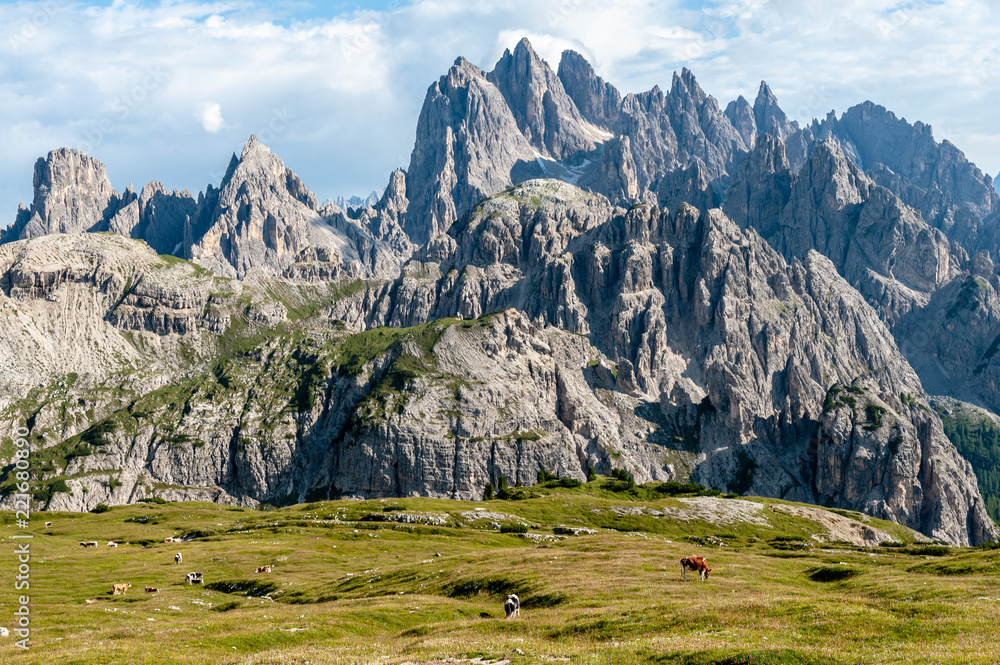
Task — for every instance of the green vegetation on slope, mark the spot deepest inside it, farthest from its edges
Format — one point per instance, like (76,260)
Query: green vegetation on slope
(977,439)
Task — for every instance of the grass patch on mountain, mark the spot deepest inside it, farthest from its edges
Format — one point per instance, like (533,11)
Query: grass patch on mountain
(977,438)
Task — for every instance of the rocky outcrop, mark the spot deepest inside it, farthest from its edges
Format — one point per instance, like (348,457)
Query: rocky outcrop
(669,131)
(156,215)
(741,116)
(72,194)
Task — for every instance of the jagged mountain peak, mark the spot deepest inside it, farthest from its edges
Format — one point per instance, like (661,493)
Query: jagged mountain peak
(598,101)
(768,115)
(741,116)
(765,95)
(253,146)
(547,116)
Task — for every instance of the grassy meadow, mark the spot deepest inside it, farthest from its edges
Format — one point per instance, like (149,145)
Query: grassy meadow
(423,580)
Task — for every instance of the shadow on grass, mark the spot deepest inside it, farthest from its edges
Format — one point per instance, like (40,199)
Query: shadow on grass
(773,657)
(832,573)
(245,587)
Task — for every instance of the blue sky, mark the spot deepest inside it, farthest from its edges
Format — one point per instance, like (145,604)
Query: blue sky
(168,90)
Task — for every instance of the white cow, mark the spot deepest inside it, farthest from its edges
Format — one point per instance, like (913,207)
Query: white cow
(178,558)
(112,544)
(512,606)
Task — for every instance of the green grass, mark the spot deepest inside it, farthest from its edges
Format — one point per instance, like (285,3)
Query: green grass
(347,591)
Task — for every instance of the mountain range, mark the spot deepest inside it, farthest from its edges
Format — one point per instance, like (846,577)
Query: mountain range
(563,277)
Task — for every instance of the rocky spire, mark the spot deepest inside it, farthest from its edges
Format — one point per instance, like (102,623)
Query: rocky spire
(467,145)
(599,102)
(741,116)
(545,114)
(768,115)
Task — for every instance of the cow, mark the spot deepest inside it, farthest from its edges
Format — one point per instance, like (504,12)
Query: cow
(512,606)
(48,524)
(113,544)
(120,588)
(696,564)
(152,589)
(178,558)
(89,543)
(264,569)
(195,578)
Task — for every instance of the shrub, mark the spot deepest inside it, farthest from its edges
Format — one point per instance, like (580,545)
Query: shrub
(153,499)
(673,487)
(544,476)
(591,476)
(928,550)
(101,508)
(874,413)
(514,528)
(624,476)
(488,492)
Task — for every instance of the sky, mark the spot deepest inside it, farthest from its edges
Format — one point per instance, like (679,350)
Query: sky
(169,90)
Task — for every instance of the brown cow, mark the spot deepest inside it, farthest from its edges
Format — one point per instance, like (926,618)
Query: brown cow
(264,569)
(120,588)
(696,564)
(152,589)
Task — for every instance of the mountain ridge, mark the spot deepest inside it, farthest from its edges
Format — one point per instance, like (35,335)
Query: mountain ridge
(754,289)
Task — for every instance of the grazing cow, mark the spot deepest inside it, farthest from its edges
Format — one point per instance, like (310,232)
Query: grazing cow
(120,588)
(178,558)
(695,564)
(264,569)
(152,589)
(112,544)
(195,578)
(89,543)
(512,606)
(48,524)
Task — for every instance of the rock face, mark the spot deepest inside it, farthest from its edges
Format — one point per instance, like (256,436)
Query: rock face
(768,116)
(72,194)
(880,245)
(709,354)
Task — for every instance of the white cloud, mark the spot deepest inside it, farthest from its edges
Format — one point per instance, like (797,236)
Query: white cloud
(339,96)
(210,116)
